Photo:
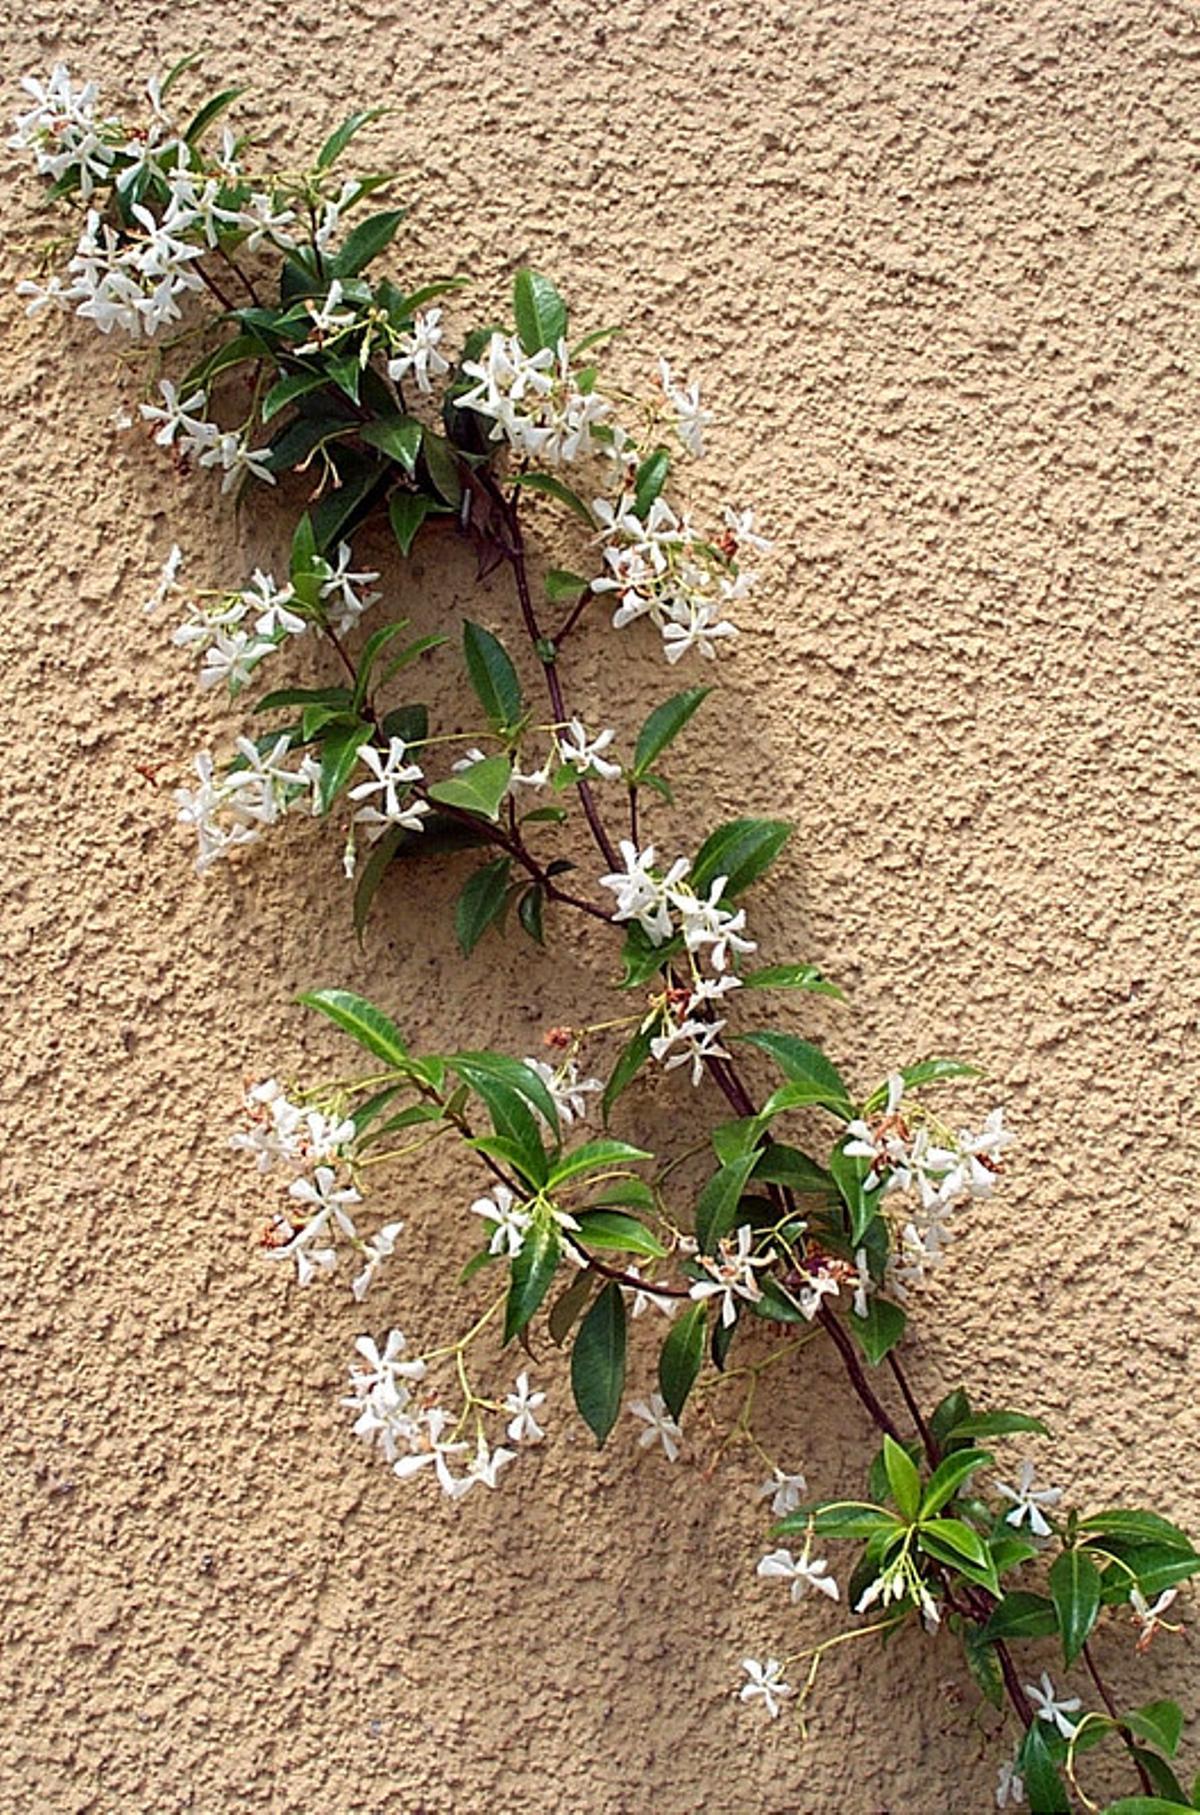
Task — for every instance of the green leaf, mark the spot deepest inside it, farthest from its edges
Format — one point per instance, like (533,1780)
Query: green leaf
(995,1424)
(929,1071)
(880,1330)
(947,1413)
(296,384)
(539,311)
(633,1056)
(952,1541)
(561,584)
(530,912)
(598,1362)
(743,850)
(792,976)
(379,639)
(362,1021)
(479,789)
(1043,1785)
(1137,1528)
(336,698)
(1009,1551)
(212,110)
(681,1358)
(441,463)
(783,1165)
(493,677)
(399,437)
(663,727)
(554,488)
(366,241)
(476,1067)
(410,653)
(642,958)
(595,1156)
(776,1304)
(840,1519)
(850,1173)
(532,1270)
(406,512)
(649,480)
(1159,1772)
(904,1480)
(481,902)
(622,1234)
(1153,1567)
(337,141)
(801,1061)
(1022,1616)
(568,1306)
(339,753)
(716,1210)
(372,874)
(1143,1805)
(949,1476)
(1160,1723)
(334,515)
(983,1664)
(1075,1588)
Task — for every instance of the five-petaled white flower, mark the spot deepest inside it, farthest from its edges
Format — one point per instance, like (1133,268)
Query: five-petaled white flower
(523,1426)
(587,755)
(1028,1501)
(1149,1615)
(391,773)
(418,352)
(786,1492)
(1052,1707)
(732,1273)
(660,1428)
(766,1684)
(1009,1786)
(805,1577)
(511,1220)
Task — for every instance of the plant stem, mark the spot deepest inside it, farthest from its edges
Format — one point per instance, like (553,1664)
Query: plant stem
(1106,1697)
(914,1410)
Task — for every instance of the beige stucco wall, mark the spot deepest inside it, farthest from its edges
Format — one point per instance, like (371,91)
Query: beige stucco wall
(938,267)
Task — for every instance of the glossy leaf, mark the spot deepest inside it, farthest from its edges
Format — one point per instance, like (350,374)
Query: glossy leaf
(366,241)
(743,851)
(554,488)
(339,754)
(792,976)
(480,789)
(782,1165)
(406,512)
(531,913)
(996,1424)
(1043,1786)
(954,1542)
(598,1362)
(880,1330)
(337,141)
(539,311)
(568,1306)
(928,1071)
(681,1358)
(441,464)
(1159,1723)
(949,1476)
(362,1021)
(296,384)
(621,1234)
(399,437)
(717,1208)
(513,1074)
(663,727)
(649,480)
(492,676)
(632,1057)
(1075,1590)
(904,1480)
(841,1519)
(596,1156)
(1137,1528)
(850,1172)
(561,584)
(481,902)
(801,1061)
(531,1273)
(1022,1616)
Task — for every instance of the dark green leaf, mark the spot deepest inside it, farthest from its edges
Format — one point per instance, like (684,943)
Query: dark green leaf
(1160,1723)
(983,1664)
(481,902)
(1043,1785)
(791,976)
(568,1306)
(379,639)
(532,1270)
(296,384)
(493,677)
(951,1541)
(783,1165)
(372,874)
(1022,1616)
(743,851)
(716,1210)
(530,912)
(339,753)
(1153,1567)
(560,585)
(801,1061)
(622,1234)
(948,1412)
(1075,1588)
(335,514)
(995,1424)
(362,1021)
(410,653)
(928,1071)
(479,789)
(649,480)
(598,1362)
(850,1174)
(554,488)
(397,436)
(596,1156)
(642,958)
(1142,1805)
(366,241)
(663,727)
(337,141)
(880,1330)
(1137,1527)
(681,1358)
(949,1476)
(441,464)
(407,511)
(840,1519)
(472,1067)
(539,311)
(212,110)
(633,1056)
(904,1480)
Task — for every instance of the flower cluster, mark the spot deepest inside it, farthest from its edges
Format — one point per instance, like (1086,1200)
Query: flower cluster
(537,403)
(658,567)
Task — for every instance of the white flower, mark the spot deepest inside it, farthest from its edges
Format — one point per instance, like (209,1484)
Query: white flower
(690,420)
(534,402)
(264,221)
(586,756)
(178,421)
(805,1577)
(483,1469)
(661,1428)
(428,1447)
(167,579)
(766,1683)
(511,1220)
(864,1289)
(419,352)
(524,1427)
(271,602)
(1149,1615)
(706,923)
(646,1296)
(817,1284)
(732,1274)
(391,773)
(568,1090)
(699,1040)
(328,1205)
(739,526)
(340,588)
(327,319)
(786,1491)
(374,1252)
(1053,1708)
(641,895)
(1028,1500)
(385,1366)
(1009,1787)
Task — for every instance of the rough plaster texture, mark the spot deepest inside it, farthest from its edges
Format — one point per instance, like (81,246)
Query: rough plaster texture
(938,266)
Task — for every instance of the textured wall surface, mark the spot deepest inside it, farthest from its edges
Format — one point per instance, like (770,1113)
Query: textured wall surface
(937,265)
